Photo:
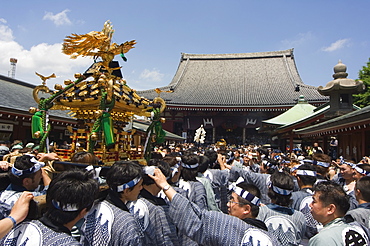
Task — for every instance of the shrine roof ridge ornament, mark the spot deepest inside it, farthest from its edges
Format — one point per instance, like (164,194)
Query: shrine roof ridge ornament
(270,54)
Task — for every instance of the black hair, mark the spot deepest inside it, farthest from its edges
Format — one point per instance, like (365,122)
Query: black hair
(176,154)
(162,165)
(254,191)
(364,166)
(263,151)
(22,163)
(203,163)
(190,151)
(237,151)
(156,155)
(85,157)
(171,160)
(179,146)
(189,174)
(284,181)
(307,180)
(286,169)
(168,150)
(363,184)
(333,193)
(70,187)
(271,166)
(322,158)
(212,155)
(122,172)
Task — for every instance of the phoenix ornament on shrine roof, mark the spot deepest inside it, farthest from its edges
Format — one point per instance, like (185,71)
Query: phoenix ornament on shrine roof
(96,44)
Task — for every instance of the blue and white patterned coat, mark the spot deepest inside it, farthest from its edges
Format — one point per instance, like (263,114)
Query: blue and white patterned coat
(106,224)
(213,228)
(155,225)
(220,184)
(361,214)
(211,202)
(36,233)
(287,225)
(338,232)
(300,202)
(258,179)
(11,194)
(195,192)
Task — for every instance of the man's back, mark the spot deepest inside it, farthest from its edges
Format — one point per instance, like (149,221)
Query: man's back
(361,214)
(287,225)
(107,224)
(36,233)
(338,232)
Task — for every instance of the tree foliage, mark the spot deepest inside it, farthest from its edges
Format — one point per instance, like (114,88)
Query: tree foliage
(363,99)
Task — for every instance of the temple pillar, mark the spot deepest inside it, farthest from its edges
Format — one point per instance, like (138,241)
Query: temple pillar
(291,146)
(363,143)
(243,136)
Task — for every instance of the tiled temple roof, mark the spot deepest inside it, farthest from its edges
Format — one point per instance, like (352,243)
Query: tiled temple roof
(16,95)
(247,80)
(359,118)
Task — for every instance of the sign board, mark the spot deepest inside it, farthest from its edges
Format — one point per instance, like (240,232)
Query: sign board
(6,127)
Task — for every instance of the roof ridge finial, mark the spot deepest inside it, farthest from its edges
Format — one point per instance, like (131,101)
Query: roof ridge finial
(340,71)
(301,99)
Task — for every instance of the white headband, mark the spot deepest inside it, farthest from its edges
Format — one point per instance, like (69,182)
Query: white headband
(294,168)
(175,169)
(66,207)
(319,163)
(279,190)
(95,171)
(347,163)
(190,166)
(246,195)
(360,170)
(37,166)
(243,193)
(306,172)
(129,184)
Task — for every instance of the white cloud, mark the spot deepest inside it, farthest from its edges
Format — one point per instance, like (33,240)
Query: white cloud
(153,75)
(59,19)
(337,45)
(42,58)
(300,39)
(6,34)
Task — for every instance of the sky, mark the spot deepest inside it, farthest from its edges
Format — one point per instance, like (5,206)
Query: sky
(321,33)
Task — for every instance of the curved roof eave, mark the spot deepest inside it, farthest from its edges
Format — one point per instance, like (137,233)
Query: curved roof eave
(231,80)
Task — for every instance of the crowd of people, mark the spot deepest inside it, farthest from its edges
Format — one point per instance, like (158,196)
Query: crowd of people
(187,195)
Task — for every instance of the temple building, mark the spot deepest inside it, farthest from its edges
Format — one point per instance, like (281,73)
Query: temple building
(339,118)
(231,94)
(343,120)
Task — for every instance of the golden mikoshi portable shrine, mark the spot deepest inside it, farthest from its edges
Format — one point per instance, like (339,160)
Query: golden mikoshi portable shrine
(99,99)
